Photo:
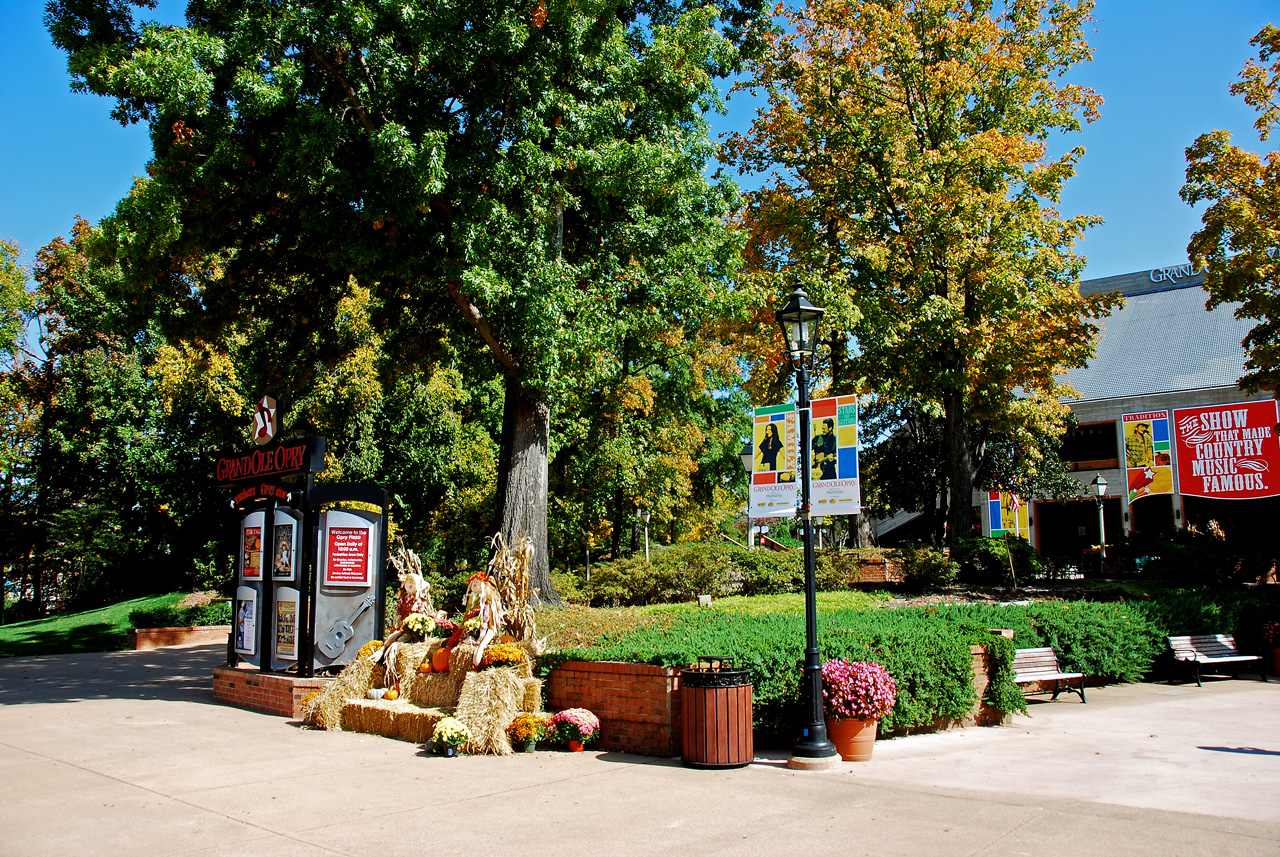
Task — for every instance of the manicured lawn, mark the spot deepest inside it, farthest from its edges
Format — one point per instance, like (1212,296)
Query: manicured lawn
(100,630)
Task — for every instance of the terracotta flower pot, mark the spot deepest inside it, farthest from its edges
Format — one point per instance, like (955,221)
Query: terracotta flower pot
(854,739)
(575,746)
(1275,661)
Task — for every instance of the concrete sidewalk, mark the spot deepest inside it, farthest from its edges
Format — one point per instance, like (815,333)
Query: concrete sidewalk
(125,753)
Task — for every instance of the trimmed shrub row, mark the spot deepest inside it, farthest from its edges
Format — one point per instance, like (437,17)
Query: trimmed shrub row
(927,649)
(683,572)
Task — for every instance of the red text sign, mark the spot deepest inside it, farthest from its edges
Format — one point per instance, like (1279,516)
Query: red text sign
(1229,452)
(347,557)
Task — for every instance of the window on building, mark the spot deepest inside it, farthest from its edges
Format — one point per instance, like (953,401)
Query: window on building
(1091,446)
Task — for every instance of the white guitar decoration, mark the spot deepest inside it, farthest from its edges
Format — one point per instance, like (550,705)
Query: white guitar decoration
(340,633)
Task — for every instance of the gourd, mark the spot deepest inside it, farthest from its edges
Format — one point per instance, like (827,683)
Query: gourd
(392,694)
(425,667)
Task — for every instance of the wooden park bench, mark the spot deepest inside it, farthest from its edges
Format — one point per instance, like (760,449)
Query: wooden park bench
(1036,665)
(1194,650)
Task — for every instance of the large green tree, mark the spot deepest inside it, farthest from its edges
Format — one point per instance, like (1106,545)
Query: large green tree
(519,180)
(911,192)
(1239,244)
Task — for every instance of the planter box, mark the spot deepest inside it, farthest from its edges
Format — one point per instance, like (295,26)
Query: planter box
(155,638)
(268,693)
(639,705)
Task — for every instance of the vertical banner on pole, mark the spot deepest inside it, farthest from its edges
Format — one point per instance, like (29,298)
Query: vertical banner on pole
(774,436)
(834,443)
(1008,514)
(246,620)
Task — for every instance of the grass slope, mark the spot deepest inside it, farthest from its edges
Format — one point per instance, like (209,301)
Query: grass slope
(100,630)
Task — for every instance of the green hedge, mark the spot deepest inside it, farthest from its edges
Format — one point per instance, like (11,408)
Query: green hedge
(195,609)
(930,660)
(720,569)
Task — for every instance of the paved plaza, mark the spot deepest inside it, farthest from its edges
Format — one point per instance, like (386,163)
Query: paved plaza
(125,753)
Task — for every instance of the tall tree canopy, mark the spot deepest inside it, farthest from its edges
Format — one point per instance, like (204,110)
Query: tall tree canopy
(517,187)
(912,194)
(1239,244)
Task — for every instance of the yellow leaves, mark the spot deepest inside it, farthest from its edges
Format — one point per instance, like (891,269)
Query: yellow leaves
(636,394)
(198,371)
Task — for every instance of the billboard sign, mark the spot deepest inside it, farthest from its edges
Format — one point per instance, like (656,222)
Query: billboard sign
(1147,454)
(1228,452)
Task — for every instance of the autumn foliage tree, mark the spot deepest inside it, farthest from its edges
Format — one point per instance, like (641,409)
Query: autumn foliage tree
(910,189)
(1239,244)
(517,186)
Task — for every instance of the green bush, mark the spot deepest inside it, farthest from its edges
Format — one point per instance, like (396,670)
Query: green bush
(986,561)
(926,568)
(841,569)
(1238,612)
(930,660)
(198,608)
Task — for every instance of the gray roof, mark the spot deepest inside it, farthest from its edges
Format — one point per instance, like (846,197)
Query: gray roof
(1162,341)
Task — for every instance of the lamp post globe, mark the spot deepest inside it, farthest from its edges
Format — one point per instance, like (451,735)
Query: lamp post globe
(799,319)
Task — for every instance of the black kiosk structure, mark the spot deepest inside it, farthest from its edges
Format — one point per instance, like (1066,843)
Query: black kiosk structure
(310,559)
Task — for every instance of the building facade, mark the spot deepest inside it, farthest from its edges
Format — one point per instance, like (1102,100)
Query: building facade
(1161,358)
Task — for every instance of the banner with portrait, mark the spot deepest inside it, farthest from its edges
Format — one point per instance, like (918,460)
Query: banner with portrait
(1147,454)
(1008,514)
(1228,452)
(774,470)
(833,444)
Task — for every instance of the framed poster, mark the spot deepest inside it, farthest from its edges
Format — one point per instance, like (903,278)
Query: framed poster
(284,565)
(251,546)
(348,543)
(1147,456)
(286,627)
(245,630)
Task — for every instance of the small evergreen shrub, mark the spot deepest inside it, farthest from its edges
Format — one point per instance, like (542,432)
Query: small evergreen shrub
(987,561)
(926,568)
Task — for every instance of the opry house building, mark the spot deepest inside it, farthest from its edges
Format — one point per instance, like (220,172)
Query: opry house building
(1163,363)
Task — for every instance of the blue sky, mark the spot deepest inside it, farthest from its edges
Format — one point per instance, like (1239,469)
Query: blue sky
(1163,69)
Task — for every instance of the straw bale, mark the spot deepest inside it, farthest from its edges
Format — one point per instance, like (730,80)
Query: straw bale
(532,694)
(396,719)
(325,710)
(489,702)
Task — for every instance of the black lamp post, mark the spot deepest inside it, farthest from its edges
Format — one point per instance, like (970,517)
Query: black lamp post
(799,321)
(1099,486)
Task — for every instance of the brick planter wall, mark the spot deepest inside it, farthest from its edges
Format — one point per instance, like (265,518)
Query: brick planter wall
(638,704)
(879,571)
(245,687)
(155,638)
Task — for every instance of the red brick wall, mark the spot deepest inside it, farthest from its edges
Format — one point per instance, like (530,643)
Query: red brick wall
(245,687)
(638,705)
(154,638)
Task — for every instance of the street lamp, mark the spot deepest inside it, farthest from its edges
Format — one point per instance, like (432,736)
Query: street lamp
(799,321)
(1099,486)
(643,515)
(748,456)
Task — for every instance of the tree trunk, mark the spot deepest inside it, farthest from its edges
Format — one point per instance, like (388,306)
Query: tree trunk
(960,469)
(860,531)
(522,481)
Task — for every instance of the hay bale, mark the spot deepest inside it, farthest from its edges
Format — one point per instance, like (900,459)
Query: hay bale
(400,720)
(325,711)
(489,701)
(532,694)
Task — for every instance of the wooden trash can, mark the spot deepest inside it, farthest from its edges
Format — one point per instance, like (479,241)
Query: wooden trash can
(716,702)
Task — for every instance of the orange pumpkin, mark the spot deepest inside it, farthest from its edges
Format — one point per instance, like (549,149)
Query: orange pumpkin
(425,667)
(440,660)
(392,694)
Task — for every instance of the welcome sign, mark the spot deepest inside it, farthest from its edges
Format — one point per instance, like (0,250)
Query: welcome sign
(1228,452)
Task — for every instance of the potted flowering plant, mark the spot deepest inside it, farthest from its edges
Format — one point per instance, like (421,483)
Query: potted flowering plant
(526,731)
(503,655)
(450,734)
(575,727)
(856,694)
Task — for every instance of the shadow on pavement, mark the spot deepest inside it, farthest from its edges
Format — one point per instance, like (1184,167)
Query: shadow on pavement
(173,674)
